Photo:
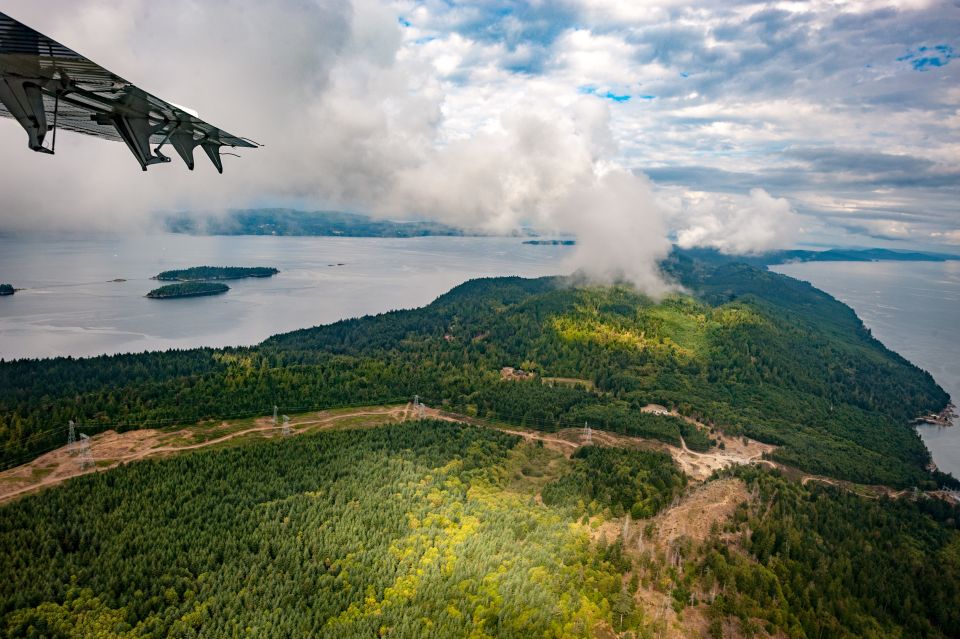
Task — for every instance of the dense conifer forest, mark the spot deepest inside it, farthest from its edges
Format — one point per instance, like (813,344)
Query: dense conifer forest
(432,529)
(743,349)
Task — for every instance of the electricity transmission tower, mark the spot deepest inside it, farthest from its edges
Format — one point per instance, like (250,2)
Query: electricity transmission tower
(72,437)
(274,414)
(85,459)
(418,406)
(587,434)
(286,427)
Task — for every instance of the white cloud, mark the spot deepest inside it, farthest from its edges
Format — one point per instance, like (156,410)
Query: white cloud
(885,229)
(948,237)
(736,224)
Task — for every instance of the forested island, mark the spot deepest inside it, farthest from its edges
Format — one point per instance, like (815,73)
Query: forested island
(438,529)
(550,242)
(197,273)
(188,289)
(7,289)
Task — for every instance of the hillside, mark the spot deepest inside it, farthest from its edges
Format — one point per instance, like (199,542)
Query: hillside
(747,351)
(434,529)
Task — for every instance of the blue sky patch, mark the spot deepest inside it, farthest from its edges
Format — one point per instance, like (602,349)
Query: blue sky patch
(590,89)
(926,58)
(610,95)
(403,22)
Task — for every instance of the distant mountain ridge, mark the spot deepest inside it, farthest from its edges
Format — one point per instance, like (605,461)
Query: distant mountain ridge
(771,258)
(290,222)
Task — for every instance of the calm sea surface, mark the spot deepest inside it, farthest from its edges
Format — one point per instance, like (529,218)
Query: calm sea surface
(913,308)
(71,306)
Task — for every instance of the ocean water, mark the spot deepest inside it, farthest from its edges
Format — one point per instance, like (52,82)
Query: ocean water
(914,309)
(71,306)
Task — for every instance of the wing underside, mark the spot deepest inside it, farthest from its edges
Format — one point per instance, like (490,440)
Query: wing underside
(47,86)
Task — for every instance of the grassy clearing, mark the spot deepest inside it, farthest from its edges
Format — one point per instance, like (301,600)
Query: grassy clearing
(531,465)
(571,382)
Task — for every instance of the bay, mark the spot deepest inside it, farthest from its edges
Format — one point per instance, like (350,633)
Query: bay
(914,309)
(70,304)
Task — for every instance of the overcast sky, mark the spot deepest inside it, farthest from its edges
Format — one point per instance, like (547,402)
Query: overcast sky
(743,126)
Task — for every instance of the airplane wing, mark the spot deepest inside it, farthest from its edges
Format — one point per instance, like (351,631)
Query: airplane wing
(45,86)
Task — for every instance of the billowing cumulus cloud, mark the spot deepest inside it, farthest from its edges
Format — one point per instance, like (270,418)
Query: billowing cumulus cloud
(736,224)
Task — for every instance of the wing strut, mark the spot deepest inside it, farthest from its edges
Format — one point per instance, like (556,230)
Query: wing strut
(184,144)
(24,100)
(213,152)
(44,82)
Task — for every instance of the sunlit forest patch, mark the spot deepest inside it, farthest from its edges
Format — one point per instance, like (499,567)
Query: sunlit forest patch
(406,530)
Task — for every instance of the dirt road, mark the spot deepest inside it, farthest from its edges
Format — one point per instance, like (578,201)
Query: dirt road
(110,449)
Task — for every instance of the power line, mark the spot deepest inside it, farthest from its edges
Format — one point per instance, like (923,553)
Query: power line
(85,457)
(49,433)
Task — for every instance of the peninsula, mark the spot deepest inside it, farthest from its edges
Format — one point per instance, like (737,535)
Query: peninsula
(7,289)
(737,459)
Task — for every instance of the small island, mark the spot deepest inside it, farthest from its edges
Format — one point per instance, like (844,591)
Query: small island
(196,273)
(187,289)
(7,289)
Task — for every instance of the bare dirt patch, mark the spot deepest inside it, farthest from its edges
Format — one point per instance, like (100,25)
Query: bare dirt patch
(712,502)
(698,466)
(61,464)
(736,451)
(110,449)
